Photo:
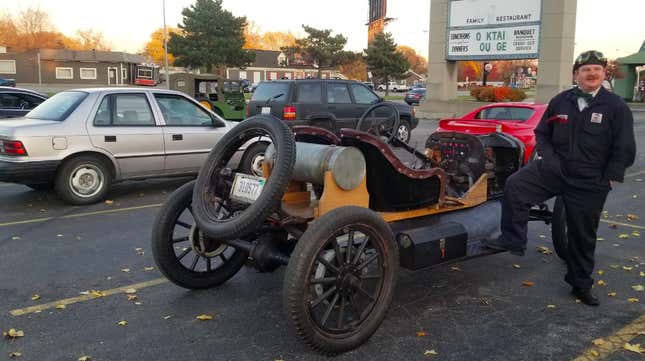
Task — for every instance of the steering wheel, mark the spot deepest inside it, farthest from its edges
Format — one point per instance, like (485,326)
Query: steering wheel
(380,127)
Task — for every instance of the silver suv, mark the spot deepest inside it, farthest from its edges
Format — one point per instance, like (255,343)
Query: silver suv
(79,142)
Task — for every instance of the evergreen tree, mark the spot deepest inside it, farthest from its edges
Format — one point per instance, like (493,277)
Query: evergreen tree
(321,49)
(384,61)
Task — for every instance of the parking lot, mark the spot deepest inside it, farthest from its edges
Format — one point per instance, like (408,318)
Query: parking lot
(81,281)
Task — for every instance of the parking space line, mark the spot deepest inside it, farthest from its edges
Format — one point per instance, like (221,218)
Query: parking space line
(614,342)
(82,298)
(77,215)
(622,224)
(635,174)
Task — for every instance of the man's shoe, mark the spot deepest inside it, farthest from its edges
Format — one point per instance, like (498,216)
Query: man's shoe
(500,245)
(585,296)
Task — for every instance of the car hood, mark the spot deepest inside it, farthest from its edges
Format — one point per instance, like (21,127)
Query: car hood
(10,126)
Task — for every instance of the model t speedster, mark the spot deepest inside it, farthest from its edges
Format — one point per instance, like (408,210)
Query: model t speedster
(341,212)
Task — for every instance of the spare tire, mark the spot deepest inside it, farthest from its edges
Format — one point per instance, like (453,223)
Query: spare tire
(223,218)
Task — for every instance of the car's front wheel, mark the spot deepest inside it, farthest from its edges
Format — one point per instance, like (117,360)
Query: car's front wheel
(83,180)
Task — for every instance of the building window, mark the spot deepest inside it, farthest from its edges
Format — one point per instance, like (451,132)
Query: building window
(145,73)
(7,66)
(124,73)
(242,74)
(87,73)
(64,73)
(273,75)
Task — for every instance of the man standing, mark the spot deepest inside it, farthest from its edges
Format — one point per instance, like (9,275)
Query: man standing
(586,140)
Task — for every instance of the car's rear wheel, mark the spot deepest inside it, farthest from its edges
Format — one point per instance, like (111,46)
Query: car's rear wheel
(83,180)
(341,278)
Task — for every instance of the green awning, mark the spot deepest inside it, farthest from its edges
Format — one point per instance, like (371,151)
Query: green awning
(634,59)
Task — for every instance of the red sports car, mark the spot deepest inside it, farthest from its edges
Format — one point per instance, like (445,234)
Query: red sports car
(516,119)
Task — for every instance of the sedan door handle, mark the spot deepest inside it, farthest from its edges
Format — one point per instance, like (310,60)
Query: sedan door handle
(177,137)
(110,138)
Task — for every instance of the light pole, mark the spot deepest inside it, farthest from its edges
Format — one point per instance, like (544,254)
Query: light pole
(165,45)
(487,68)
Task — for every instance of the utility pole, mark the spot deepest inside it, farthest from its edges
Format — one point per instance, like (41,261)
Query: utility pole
(165,45)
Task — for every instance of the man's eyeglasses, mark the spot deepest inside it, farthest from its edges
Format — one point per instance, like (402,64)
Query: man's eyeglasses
(587,55)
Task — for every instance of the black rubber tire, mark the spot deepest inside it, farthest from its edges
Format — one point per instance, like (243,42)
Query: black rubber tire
(296,290)
(559,229)
(405,123)
(251,218)
(163,250)
(41,186)
(63,188)
(248,158)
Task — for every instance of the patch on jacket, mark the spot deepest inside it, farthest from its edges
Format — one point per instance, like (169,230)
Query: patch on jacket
(596,118)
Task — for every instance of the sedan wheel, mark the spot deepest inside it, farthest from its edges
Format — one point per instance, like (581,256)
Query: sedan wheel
(83,180)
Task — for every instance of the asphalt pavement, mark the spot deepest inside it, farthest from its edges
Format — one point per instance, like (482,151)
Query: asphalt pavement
(500,307)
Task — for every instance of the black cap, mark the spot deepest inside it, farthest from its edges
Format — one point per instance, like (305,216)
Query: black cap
(590,57)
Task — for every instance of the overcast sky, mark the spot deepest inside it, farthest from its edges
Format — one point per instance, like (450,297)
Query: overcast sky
(615,27)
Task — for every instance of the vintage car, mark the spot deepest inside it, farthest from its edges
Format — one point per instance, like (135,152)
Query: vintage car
(341,212)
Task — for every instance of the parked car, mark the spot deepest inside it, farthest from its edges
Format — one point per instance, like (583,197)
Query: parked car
(329,104)
(16,102)
(7,82)
(394,86)
(80,142)
(415,95)
(516,119)
(369,84)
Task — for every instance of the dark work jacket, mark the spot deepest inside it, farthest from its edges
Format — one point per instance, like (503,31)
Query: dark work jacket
(596,144)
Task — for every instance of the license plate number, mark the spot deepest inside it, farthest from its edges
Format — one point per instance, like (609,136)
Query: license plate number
(266,110)
(247,188)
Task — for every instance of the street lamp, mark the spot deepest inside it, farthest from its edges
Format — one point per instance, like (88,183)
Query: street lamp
(487,68)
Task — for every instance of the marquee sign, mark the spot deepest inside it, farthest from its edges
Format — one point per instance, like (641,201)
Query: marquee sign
(493,29)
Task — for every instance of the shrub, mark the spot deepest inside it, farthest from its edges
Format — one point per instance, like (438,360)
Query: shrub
(497,94)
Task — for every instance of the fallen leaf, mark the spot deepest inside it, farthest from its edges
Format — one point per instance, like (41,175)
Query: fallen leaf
(636,234)
(35,297)
(97,293)
(627,268)
(131,291)
(638,288)
(109,202)
(550,306)
(600,272)
(642,274)
(611,294)
(633,300)
(122,323)
(517,266)
(59,235)
(60,307)
(14,354)
(623,236)
(614,266)
(148,269)
(631,217)
(138,303)
(84,358)
(126,270)
(600,239)
(594,353)
(15,238)
(455,268)
(528,283)
(634,196)
(167,317)
(598,342)
(616,245)
(430,353)
(13,333)
(84,292)
(544,250)
(542,236)
(132,297)
(421,334)
(634,259)
(634,348)
(204,317)
(601,283)
(613,226)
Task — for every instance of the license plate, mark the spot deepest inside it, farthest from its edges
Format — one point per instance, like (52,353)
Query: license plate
(266,110)
(247,188)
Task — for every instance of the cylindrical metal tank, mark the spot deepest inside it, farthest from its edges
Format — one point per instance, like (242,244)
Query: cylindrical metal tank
(346,164)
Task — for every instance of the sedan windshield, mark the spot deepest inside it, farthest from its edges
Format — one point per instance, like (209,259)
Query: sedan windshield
(58,107)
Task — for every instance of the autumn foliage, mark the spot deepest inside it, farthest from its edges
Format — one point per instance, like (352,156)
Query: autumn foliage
(154,46)
(271,40)
(497,94)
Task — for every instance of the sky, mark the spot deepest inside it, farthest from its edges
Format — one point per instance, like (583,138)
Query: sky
(617,27)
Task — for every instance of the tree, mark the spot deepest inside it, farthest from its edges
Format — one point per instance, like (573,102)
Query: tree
(210,37)
(320,49)
(418,63)
(89,39)
(384,61)
(271,40)
(154,46)
(356,69)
